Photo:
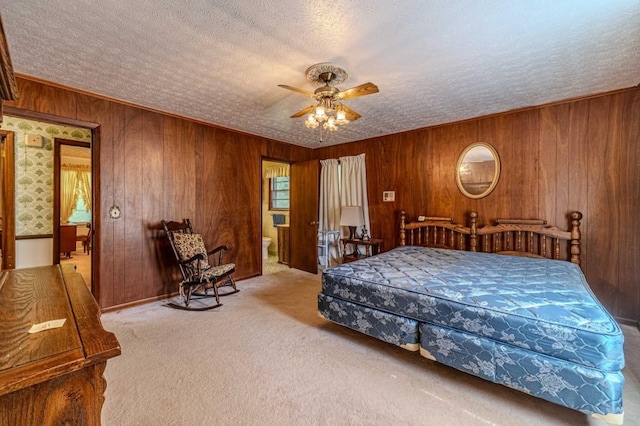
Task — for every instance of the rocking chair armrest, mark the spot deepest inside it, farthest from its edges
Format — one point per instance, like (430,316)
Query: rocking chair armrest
(223,248)
(220,249)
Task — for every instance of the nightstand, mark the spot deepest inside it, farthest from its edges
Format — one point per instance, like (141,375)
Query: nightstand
(372,247)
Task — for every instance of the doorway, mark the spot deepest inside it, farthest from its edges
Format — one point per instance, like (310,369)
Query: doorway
(7,200)
(290,218)
(72,206)
(275,251)
(34,136)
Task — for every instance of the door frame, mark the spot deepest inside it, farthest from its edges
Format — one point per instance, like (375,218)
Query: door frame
(262,201)
(57,186)
(8,200)
(95,180)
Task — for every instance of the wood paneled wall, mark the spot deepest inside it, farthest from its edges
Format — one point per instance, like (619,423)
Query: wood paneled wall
(580,155)
(156,166)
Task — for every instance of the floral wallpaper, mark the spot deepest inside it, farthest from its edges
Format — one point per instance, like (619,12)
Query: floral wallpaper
(34,172)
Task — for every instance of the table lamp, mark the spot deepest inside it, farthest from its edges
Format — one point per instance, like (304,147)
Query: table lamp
(352,217)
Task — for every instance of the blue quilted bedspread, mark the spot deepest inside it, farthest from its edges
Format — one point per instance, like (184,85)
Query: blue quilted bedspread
(540,305)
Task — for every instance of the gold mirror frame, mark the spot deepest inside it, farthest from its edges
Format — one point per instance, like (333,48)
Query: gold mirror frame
(484,186)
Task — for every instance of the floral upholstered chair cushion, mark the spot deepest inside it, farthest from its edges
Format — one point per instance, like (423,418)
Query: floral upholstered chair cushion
(188,245)
(218,271)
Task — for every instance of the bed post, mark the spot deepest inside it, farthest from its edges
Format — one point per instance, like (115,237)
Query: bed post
(473,234)
(575,237)
(402,226)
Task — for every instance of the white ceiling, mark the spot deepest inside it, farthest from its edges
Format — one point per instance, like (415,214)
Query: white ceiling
(433,61)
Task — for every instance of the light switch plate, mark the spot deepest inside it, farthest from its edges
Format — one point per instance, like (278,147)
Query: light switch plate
(388,196)
(33,140)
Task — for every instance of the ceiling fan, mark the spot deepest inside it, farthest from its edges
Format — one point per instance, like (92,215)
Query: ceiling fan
(329,109)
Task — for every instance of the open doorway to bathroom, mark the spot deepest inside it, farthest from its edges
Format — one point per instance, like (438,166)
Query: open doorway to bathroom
(275,216)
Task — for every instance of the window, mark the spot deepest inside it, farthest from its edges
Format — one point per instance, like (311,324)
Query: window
(80,213)
(279,193)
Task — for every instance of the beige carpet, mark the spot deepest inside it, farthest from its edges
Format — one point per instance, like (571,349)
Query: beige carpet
(266,358)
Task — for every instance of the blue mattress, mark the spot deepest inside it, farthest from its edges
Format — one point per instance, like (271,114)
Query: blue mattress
(540,305)
(589,390)
(387,327)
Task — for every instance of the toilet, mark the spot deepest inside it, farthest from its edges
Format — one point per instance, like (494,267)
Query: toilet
(265,247)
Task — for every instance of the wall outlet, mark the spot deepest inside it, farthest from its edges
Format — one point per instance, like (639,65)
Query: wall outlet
(388,196)
(33,140)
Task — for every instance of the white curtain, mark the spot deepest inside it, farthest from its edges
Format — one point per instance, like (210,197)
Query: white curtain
(329,215)
(84,187)
(353,191)
(342,183)
(68,195)
(276,171)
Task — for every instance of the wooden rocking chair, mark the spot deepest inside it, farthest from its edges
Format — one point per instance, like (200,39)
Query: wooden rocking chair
(199,274)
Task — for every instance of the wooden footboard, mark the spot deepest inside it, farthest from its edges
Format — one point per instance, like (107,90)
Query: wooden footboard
(520,237)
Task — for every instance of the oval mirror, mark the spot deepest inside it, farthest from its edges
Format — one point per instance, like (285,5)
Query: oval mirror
(478,170)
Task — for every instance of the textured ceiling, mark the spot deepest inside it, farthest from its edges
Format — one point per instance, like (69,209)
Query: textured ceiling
(434,61)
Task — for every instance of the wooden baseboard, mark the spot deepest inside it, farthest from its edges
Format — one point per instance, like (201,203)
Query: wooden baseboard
(161,297)
(138,302)
(627,321)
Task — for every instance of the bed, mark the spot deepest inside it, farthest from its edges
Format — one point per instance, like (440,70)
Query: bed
(527,320)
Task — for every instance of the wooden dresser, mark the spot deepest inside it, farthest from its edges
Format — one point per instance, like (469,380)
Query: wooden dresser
(54,376)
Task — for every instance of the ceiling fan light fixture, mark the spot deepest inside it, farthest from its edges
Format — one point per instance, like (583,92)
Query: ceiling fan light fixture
(320,114)
(330,125)
(311,122)
(341,117)
(328,108)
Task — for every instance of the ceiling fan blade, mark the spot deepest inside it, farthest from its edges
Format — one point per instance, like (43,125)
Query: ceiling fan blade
(303,111)
(362,90)
(350,114)
(302,92)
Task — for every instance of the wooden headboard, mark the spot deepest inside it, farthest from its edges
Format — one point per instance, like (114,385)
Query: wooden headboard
(520,237)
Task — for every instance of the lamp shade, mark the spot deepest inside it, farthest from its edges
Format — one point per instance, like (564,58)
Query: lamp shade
(351,216)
